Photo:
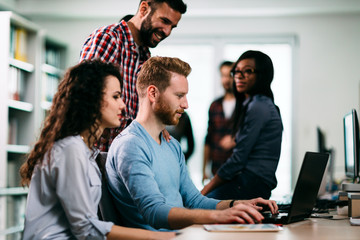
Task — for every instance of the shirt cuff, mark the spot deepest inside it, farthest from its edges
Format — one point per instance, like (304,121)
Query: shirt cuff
(223,174)
(161,217)
(103,227)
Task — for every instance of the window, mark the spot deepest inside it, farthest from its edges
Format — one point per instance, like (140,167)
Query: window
(205,86)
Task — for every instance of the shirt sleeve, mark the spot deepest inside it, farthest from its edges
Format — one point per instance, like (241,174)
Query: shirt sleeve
(256,117)
(101,45)
(134,167)
(74,177)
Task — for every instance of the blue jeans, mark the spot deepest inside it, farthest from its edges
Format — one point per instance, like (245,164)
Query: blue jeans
(244,186)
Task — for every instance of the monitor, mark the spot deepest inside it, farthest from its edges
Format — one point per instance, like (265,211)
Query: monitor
(351,145)
(321,141)
(327,184)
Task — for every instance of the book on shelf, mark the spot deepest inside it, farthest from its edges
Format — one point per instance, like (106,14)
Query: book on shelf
(50,84)
(20,51)
(13,84)
(13,131)
(53,57)
(16,84)
(14,165)
(12,41)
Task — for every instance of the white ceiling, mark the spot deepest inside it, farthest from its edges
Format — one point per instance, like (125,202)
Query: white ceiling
(103,9)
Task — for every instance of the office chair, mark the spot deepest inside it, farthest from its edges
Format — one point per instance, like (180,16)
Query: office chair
(107,209)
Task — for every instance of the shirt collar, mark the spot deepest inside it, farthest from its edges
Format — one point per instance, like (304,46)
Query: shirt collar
(92,154)
(142,50)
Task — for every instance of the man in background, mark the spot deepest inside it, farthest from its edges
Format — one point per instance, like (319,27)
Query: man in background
(127,44)
(147,175)
(218,141)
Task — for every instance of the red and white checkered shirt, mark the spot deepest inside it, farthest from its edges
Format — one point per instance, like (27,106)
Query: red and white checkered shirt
(114,43)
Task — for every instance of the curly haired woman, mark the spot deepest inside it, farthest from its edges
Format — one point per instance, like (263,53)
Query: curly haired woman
(63,169)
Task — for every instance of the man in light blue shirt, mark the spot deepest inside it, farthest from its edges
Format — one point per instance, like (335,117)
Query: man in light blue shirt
(147,175)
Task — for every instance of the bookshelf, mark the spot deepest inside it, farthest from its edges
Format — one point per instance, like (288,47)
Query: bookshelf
(28,57)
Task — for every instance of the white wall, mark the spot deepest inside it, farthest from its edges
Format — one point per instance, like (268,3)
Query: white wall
(326,66)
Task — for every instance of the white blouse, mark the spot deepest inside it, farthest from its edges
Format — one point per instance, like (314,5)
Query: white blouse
(64,195)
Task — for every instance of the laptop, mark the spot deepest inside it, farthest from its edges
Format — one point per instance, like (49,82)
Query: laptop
(306,190)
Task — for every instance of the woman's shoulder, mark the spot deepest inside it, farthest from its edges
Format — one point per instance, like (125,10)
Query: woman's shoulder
(260,104)
(260,101)
(261,98)
(70,142)
(65,150)
(68,146)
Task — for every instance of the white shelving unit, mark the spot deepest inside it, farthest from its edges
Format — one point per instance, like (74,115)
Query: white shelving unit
(22,112)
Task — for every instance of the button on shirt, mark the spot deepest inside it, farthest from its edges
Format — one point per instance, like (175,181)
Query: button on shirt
(64,195)
(114,43)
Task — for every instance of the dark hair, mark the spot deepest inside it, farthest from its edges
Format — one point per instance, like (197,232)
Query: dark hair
(177,5)
(76,107)
(226,63)
(126,18)
(264,75)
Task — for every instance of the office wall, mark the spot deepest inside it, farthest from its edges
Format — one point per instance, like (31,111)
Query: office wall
(326,73)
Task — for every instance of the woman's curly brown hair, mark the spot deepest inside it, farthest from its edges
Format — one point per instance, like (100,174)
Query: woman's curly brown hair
(76,107)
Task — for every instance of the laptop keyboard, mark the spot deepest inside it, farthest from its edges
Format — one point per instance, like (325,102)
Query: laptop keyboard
(274,218)
(284,207)
(278,217)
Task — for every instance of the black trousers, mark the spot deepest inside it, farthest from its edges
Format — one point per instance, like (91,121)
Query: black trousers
(244,186)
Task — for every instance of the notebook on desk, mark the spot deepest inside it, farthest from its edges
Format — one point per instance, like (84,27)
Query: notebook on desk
(306,190)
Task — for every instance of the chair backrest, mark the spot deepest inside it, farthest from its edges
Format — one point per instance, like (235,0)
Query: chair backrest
(108,211)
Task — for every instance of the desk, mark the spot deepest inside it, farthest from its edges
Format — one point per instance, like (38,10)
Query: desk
(314,228)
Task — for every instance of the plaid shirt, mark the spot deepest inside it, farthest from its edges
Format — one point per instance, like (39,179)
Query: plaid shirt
(114,43)
(218,127)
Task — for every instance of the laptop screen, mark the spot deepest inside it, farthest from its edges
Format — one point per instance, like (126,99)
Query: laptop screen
(307,186)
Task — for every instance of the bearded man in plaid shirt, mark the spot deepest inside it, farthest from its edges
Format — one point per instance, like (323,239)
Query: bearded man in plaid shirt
(127,44)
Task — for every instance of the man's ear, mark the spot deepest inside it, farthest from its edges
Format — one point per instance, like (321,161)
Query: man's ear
(152,93)
(144,8)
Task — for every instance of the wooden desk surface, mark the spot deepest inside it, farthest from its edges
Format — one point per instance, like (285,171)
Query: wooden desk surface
(314,228)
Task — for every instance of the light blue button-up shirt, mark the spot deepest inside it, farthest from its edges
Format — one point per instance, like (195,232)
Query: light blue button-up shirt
(64,195)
